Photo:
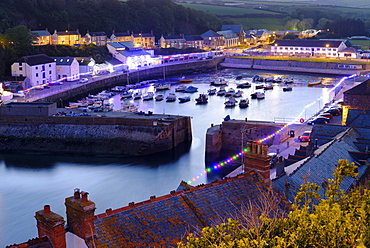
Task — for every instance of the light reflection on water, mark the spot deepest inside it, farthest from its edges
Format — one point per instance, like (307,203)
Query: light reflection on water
(28,182)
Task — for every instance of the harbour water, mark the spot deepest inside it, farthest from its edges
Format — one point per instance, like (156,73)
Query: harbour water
(29,181)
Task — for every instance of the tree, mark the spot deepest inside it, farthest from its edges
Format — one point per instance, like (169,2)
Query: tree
(306,23)
(292,24)
(19,40)
(339,220)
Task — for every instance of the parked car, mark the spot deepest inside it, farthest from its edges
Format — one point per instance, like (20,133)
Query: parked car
(333,111)
(327,115)
(318,120)
(84,80)
(305,137)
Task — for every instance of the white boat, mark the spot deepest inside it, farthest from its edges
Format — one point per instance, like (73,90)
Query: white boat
(239,93)
(148,96)
(244,85)
(162,86)
(159,97)
(269,79)
(231,102)
(230,92)
(202,99)
(180,88)
(171,97)
(260,95)
(221,92)
(220,82)
(137,95)
(244,103)
(126,94)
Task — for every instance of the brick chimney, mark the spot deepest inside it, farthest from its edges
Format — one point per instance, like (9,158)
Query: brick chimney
(51,225)
(257,159)
(80,214)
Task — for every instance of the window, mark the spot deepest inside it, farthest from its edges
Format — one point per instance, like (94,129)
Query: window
(37,68)
(20,68)
(49,72)
(37,75)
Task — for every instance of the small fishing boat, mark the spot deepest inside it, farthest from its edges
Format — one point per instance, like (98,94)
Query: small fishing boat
(268,87)
(162,86)
(180,88)
(212,91)
(244,85)
(244,103)
(191,89)
(231,102)
(288,80)
(260,86)
(239,77)
(137,95)
(230,92)
(221,92)
(287,88)
(221,82)
(260,95)
(186,80)
(202,99)
(314,83)
(126,94)
(184,99)
(171,97)
(159,97)
(148,96)
(239,93)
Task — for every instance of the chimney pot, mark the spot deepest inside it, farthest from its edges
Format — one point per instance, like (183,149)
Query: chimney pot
(152,197)
(76,195)
(47,209)
(84,196)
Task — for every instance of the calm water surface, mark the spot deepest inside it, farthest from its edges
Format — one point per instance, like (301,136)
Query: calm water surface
(28,182)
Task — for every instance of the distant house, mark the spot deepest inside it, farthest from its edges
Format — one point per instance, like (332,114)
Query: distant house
(262,35)
(86,65)
(144,40)
(121,37)
(314,48)
(70,38)
(67,68)
(213,40)
(97,38)
(231,39)
(195,41)
(39,69)
(281,33)
(130,55)
(237,29)
(42,37)
(175,41)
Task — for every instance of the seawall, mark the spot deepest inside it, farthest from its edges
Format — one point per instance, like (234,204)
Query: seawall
(347,68)
(127,135)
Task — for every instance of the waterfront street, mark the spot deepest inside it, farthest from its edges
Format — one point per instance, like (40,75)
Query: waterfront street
(29,181)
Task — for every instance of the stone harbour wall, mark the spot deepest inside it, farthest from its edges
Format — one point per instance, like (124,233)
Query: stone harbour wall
(296,66)
(117,136)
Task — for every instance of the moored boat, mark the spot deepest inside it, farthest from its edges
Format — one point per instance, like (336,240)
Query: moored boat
(180,88)
(137,95)
(184,99)
(202,99)
(221,92)
(230,92)
(171,97)
(162,86)
(287,88)
(314,83)
(268,87)
(212,91)
(221,82)
(191,89)
(159,97)
(231,102)
(148,96)
(244,85)
(239,93)
(260,95)
(259,86)
(239,77)
(186,80)
(244,103)
(126,94)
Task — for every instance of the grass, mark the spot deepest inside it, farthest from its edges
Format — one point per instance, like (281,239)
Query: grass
(365,43)
(259,23)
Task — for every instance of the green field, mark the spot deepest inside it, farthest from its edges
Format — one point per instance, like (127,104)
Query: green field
(365,43)
(259,23)
(223,10)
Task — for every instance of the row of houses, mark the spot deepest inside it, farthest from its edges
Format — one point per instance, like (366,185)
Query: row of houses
(228,36)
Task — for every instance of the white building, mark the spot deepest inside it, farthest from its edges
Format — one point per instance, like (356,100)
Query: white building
(39,69)
(133,57)
(308,48)
(67,68)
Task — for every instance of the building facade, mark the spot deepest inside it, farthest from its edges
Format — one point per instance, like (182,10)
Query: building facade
(67,68)
(70,38)
(96,38)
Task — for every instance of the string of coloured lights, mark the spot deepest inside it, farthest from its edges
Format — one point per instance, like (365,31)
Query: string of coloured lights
(227,161)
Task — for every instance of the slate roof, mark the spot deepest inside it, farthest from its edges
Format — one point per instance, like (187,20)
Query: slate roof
(63,60)
(68,32)
(308,43)
(361,89)
(41,32)
(34,243)
(122,34)
(320,166)
(235,28)
(193,37)
(210,33)
(97,33)
(358,118)
(173,37)
(38,59)
(128,53)
(165,220)
(84,60)
(148,35)
(228,34)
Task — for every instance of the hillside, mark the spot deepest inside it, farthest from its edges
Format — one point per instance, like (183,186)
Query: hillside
(160,16)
